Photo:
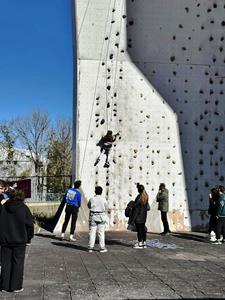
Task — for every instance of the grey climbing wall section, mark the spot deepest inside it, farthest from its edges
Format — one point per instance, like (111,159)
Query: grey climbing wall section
(182,55)
(153,70)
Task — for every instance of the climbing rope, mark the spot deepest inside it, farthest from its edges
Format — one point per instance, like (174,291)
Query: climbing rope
(106,68)
(116,68)
(92,108)
(85,13)
(157,244)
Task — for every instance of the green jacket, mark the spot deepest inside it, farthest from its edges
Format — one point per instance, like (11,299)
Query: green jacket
(163,199)
(221,206)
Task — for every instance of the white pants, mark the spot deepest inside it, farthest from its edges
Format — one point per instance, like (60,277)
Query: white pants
(100,228)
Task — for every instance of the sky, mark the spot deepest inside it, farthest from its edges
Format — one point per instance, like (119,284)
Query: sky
(36,58)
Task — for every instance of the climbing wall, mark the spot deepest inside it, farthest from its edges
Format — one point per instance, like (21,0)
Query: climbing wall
(153,70)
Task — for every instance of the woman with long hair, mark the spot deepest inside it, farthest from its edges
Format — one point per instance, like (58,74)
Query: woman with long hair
(141,207)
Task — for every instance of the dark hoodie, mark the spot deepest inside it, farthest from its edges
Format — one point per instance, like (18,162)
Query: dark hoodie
(16,223)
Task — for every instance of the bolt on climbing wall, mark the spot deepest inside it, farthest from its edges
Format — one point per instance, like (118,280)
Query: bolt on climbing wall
(152,70)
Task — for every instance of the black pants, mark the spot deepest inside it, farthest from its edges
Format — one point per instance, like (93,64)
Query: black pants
(71,211)
(212,223)
(220,228)
(12,262)
(165,221)
(141,232)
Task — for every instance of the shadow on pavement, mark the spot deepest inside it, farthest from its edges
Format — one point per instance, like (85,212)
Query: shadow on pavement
(70,245)
(118,242)
(193,237)
(48,236)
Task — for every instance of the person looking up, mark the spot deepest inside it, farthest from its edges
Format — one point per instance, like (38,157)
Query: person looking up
(139,216)
(73,202)
(163,205)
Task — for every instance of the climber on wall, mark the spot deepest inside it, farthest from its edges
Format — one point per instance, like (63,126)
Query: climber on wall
(105,144)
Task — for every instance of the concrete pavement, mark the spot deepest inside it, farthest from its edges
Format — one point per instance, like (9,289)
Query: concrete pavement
(59,270)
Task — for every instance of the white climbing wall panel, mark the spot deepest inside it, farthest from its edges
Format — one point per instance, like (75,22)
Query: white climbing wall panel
(153,70)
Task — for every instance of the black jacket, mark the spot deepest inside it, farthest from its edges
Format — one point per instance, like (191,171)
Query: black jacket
(140,211)
(16,223)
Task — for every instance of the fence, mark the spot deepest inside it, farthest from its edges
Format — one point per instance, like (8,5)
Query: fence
(42,188)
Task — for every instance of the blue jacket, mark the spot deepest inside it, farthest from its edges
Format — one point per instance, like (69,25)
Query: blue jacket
(73,197)
(221,206)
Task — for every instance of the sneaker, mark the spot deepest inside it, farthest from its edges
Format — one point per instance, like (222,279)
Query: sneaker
(62,236)
(165,232)
(144,245)
(217,242)
(212,238)
(72,239)
(138,246)
(103,250)
(18,291)
(90,250)
(4,291)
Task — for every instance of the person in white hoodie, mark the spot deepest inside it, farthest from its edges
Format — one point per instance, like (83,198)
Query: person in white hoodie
(97,219)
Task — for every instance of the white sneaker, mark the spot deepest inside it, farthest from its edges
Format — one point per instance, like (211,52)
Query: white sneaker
(221,238)
(217,242)
(212,236)
(90,250)
(103,250)
(138,246)
(72,239)
(144,245)
(62,236)
(212,239)
(18,291)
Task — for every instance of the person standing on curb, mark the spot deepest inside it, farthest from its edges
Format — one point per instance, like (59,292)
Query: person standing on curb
(139,216)
(16,230)
(97,219)
(73,202)
(163,205)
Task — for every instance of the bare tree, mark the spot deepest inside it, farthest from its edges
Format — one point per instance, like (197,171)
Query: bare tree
(32,132)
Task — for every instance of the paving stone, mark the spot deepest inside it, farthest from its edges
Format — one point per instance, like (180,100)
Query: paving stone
(63,270)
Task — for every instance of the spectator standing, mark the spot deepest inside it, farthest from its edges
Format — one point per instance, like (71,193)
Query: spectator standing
(16,230)
(212,211)
(163,205)
(220,227)
(73,202)
(97,219)
(139,216)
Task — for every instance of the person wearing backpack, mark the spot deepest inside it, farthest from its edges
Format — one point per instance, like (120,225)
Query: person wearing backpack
(139,216)
(73,202)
